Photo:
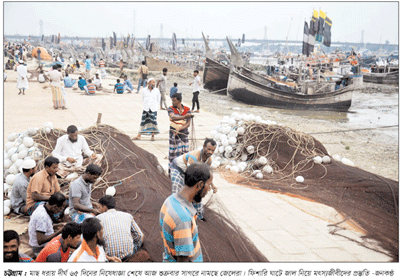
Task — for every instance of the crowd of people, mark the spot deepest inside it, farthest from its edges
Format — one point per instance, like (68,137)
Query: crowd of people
(72,227)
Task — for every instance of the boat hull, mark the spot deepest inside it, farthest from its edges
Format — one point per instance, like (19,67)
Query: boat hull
(382,78)
(215,76)
(252,92)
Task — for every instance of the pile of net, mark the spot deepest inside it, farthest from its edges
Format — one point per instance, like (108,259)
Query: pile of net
(141,188)
(279,159)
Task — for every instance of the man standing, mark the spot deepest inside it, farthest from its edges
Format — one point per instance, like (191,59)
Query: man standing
(88,65)
(162,85)
(122,236)
(80,191)
(18,192)
(42,185)
(178,217)
(22,79)
(143,72)
(39,58)
(196,90)
(180,164)
(11,248)
(69,148)
(40,226)
(91,249)
(102,66)
(151,99)
(56,78)
(58,249)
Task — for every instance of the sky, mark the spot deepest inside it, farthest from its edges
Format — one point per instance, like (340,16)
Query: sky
(379,20)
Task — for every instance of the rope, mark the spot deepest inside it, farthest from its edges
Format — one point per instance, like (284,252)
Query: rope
(356,129)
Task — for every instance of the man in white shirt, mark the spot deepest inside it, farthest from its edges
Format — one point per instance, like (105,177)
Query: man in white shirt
(69,148)
(92,247)
(56,78)
(151,101)
(22,78)
(196,91)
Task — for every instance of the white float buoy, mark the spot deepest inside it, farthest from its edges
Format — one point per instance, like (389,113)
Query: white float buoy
(235,169)
(213,133)
(240,130)
(336,157)
(13,169)
(326,159)
(66,211)
(11,137)
(299,179)
(262,160)
(228,149)
(6,211)
(110,191)
(228,167)
(6,188)
(7,163)
(255,172)
(14,157)
(347,162)
(317,159)
(28,142)
(23,153)
(268,169)
(250,149)
(221,149)
(18,163)
(7,203)
(12,151)
(9,145)
(243,157)
(10,179)
(259,175)
(232,140)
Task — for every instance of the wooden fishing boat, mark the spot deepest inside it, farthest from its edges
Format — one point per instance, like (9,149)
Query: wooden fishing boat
(216,74)
(251,88)
(382,75)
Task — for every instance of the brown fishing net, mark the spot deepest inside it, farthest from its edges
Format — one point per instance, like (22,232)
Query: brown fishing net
(141,188)
(368,200)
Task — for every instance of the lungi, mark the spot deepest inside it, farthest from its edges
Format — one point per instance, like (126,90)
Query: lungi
(148,125)
(103,73)
(58,98)
(178,144)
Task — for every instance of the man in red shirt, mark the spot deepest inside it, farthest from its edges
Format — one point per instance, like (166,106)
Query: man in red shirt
(58,249)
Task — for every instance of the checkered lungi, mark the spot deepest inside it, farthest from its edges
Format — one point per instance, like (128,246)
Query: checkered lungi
(148,125)
(178,144)
(178,181)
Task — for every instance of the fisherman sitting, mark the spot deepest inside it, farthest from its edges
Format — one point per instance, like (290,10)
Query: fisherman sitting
(82,83)
(68,82)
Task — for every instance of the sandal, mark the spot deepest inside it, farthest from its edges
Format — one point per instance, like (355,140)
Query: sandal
(136,138)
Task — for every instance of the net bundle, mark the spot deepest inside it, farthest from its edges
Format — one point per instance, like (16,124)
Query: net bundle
(365,199)
(142,187)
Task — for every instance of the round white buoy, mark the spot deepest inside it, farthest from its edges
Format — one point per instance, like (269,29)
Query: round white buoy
(228,149)
(258,119)
(22,147)
(12,151)
(22,153)
(255,172)
(232,140)
(243,157)
(6,188)
(221,149)
(228,167)
(6,211)
(235,169)
(9,145)
(299,179)
(259,175)
(7,203)
(225,143)
(268,169)
(19,162)
(110,191)
(252,117)
(28,142)
(215,164)
(250,149)
(7,163)
(347,162)
(317,159)
(10,179)
(213,133)
(336,157)
(66,211)
(262,160)
(240,130)
(11,137)
(72,176)
(14,157)
(13,169)
(326,159)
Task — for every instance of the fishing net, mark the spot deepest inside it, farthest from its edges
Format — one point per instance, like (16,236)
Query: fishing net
(141,188)
(367,200)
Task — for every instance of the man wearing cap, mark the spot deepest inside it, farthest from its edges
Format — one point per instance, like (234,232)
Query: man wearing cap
(22,79)
(18,193)
(151,101)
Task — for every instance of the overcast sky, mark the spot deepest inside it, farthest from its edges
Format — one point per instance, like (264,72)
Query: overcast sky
(379,20)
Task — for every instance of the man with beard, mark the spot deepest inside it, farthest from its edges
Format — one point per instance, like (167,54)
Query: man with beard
(80,190)
(58,249)
(42,185)
(20,186)
(91,249)
(11,248)
(69,148)
(40,226)
(178,216)
(180,164)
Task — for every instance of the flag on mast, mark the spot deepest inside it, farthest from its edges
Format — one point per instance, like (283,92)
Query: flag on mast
(321,21)
(327,32)
(305,39)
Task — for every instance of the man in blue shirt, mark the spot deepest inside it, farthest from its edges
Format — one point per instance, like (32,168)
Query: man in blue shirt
(127,84)
(173,90)
(68,82)
(88,64)
(119,87)
(82,83)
